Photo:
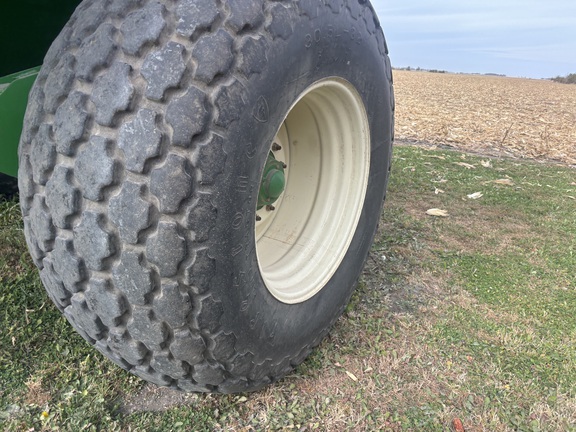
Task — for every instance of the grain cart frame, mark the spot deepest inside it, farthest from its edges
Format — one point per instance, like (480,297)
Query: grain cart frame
(201,180)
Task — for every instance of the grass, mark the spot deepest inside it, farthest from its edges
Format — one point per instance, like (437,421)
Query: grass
(469,316)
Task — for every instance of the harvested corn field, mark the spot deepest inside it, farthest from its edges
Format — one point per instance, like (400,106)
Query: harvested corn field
(497,115)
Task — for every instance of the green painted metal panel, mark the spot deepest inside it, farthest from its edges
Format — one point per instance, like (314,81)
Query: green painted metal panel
(14,91)
(27,29)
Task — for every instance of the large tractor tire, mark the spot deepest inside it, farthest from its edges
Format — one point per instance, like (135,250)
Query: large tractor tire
(201,181)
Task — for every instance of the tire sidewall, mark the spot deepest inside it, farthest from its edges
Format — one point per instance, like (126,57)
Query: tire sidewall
(330,45)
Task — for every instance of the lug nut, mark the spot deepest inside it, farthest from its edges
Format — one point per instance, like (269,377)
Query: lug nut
(270,207)
(258,218)
(276,147)
(284,165)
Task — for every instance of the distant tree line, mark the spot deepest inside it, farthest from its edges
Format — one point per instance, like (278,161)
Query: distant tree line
(568,79)
(441,71)
(418,69)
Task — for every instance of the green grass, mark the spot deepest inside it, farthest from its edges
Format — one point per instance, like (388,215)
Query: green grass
(469,316)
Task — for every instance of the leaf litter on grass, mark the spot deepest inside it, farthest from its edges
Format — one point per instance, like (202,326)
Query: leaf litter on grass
(504,226)
(437,212)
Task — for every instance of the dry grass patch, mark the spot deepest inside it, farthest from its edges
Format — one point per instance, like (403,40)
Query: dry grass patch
(36,393)
(470,233)
(151,398)
(464,300)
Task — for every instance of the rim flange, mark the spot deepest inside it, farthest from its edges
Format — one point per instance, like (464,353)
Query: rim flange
(340,126)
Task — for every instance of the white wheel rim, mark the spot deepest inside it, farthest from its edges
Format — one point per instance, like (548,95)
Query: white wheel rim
(325,142)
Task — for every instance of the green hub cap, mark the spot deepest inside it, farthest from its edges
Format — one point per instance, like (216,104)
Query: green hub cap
(273,182)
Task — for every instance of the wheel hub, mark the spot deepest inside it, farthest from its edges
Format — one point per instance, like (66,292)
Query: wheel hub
(273,182)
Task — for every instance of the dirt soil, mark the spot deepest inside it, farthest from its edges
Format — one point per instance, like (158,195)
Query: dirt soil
(500,116)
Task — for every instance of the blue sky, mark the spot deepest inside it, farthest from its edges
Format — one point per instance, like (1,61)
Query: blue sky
(528,38)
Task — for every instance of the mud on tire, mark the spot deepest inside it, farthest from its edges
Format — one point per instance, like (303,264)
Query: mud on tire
(141,159)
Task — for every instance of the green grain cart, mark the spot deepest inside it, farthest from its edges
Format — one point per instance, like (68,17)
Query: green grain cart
(200,180)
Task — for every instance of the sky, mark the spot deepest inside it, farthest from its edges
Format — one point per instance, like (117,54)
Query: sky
(522,38)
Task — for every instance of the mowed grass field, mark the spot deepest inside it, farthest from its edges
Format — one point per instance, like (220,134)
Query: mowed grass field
(462,319)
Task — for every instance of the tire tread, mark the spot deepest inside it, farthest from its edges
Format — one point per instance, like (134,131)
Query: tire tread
(113,130)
